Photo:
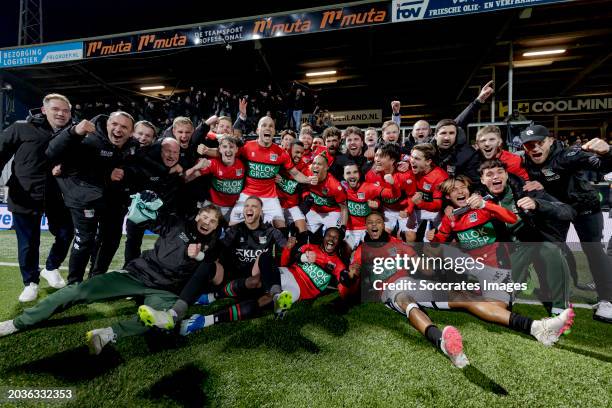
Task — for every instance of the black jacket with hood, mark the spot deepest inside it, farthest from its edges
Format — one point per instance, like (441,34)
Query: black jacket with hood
(31,185)
(167,266)
(562,175)
(87,164)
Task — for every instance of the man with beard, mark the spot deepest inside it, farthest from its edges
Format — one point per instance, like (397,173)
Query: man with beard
(539,215)
(453,154)
(33,190)
(154,169)
(331,138)
(289,191)
(560,171)
(92,156)
(249,269)
(306,138)
(489,142)
(354,153)
(361,197)
(227,175)
(263,160)
(183,247)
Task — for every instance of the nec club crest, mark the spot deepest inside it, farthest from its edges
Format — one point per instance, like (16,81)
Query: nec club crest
(325,190)
(473,217)
(273,156)
(238,172)
(361,196)
(427,186)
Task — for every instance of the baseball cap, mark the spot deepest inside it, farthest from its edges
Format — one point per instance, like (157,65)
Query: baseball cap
(534,133)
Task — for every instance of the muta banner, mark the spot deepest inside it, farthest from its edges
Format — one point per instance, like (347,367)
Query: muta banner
(335,18)
(302,22)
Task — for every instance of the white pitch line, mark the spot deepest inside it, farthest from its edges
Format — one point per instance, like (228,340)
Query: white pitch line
(64,268)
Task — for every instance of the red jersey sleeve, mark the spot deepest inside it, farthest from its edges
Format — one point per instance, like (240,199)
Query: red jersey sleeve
(500,212)
(337,192)
(444,230)
(436,204)
(514,165)
(286,161)
(212,168)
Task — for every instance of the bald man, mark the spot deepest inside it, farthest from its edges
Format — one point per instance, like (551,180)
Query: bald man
(156,169)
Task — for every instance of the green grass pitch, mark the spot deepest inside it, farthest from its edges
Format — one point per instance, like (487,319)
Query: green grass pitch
(319,356)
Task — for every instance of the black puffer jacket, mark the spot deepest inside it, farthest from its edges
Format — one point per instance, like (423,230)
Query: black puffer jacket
(87,164)
(546,223)
(562,175)
(461,158)
(31,182)
(167,265)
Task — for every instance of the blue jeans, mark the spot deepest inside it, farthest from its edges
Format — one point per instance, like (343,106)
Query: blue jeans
(297,119)
(27,229)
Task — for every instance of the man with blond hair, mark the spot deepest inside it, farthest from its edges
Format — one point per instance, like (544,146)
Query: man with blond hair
(33,190)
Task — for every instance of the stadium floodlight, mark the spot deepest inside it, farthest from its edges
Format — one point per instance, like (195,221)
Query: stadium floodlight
(322,81)
(152,87)
(535,63)
(321,73)
(539,53)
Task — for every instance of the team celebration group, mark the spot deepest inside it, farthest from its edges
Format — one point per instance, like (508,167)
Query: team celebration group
(270,219)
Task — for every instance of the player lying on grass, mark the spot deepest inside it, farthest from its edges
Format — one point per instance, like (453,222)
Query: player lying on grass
(159,274)
(378,243)
(249,270)
(307,272)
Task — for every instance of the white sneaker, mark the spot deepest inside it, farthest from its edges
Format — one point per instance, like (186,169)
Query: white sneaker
(29,293)
(54,278)
(603,311)
(547,331)
(98,338)
(452,346)
(7,327)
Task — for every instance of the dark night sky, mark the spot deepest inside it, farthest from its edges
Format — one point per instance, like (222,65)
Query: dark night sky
(71,19)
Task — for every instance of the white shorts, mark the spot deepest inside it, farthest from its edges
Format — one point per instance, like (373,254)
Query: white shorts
(225,211)
(271,209)
(489,273)
(354,237)
(293,214)
(424,298)
(327,220)
(289,283)
(392,218)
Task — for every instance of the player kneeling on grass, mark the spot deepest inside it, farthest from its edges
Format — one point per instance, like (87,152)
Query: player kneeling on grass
(250,271)
(448,340)
(306,273)
(158,274)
